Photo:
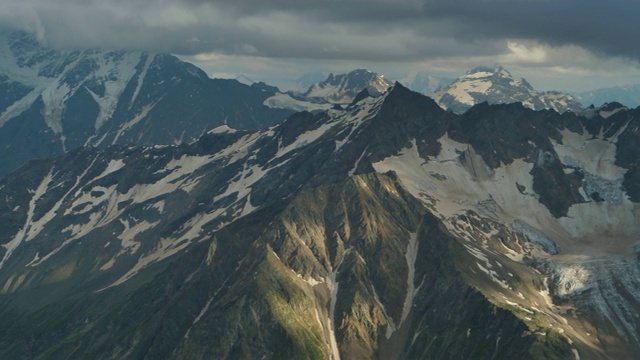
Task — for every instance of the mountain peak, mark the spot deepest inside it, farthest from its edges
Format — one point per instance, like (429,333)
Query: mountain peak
(496,85)
(483,71)
(335,89)
(605,110)
(361,95)
(343,88)
(243,79)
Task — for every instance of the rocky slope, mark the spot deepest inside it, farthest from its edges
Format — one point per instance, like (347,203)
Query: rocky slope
(497,86)
(387,229)
(54,101)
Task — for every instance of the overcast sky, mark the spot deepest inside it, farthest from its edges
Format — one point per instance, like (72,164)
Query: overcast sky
(561,44)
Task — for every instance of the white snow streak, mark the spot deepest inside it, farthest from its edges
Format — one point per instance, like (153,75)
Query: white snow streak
(127,237)
(285,101)
(200,315)
(305,139)
(113,71)
(141,78)
(131,123)
(411,256)
(26,231)
(333,288)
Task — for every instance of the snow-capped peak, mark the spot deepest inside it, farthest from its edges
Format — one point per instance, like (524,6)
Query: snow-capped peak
(342,88)
(496,85)
(486,72)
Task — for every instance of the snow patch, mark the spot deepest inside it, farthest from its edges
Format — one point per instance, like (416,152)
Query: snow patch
(332,284)
(141,78)
(127,237)
(305,139)
(222,129)
(285,101)
(126,126)
(411,255)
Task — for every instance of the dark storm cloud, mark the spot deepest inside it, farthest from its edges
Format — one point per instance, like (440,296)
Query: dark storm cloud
(607,27)
(331,29)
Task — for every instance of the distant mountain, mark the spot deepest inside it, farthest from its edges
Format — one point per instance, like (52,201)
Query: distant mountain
(244,80)
(627,95)
(52,101)
(604,111)
(387,229)
(307,80)
(425,83)
(343,88)
(496,85)
(339,89)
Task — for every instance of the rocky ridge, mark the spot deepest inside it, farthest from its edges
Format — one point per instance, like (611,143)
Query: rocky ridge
(390,228)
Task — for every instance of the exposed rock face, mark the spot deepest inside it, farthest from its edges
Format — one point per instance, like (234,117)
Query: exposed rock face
(387,229)
(497,86)
(55,101)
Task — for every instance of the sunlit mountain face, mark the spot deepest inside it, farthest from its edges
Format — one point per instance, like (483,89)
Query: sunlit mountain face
(386,228)
(495,85)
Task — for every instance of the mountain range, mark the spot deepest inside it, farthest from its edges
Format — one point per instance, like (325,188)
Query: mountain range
(627,95)
(53,101)
(389,228)
(148,211)
(335,90)
(494,85)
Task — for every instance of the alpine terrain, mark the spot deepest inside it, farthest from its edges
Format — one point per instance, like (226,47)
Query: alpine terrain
(335,90)
(53,101)
(497,86)
(389,228)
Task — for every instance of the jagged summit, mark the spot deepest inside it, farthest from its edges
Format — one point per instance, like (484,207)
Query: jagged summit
(605,110)
(496,85)
(343,88)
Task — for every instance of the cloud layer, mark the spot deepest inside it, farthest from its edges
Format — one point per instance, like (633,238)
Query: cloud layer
(561,34)
(331,29)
